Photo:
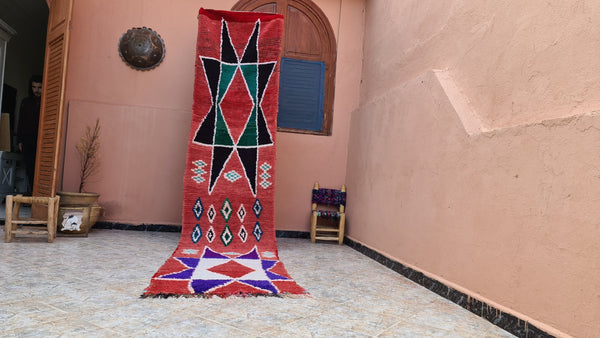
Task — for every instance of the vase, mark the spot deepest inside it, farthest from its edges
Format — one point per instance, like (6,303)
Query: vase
(77,198)
(77,212)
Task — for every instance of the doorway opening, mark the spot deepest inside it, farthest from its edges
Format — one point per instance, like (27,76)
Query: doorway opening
(23,62)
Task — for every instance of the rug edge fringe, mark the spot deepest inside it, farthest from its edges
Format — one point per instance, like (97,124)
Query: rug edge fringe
(238,295)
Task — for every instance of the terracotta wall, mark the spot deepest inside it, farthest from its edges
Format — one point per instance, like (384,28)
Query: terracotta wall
(474,153)
(145,115)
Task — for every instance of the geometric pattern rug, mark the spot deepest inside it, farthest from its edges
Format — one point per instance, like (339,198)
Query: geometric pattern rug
(228,245)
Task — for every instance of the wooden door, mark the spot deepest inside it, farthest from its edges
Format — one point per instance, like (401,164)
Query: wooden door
(53,98)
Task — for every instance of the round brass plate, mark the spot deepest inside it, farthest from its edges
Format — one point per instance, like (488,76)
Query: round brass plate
(142,48)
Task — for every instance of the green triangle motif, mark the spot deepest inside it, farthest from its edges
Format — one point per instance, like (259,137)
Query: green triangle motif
(249,137)
(227,73)
(222,136)
(250,73)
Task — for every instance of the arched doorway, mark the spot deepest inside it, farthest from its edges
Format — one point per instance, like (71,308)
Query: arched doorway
(308,65)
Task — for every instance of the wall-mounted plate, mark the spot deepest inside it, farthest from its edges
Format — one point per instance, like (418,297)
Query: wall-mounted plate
(142,48)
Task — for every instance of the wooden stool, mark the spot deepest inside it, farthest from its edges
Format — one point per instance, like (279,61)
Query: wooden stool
(12,220)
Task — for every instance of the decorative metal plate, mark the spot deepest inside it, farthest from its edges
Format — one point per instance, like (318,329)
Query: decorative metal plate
(142,48)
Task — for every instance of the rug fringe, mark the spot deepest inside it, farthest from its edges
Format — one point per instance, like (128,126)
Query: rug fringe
(239,295)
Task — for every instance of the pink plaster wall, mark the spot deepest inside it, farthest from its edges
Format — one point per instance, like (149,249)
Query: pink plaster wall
(146,115)
(484,175)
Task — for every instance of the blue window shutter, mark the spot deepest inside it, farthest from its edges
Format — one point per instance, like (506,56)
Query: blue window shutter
(301,94)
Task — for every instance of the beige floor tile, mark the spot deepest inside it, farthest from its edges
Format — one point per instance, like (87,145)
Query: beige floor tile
(91,286)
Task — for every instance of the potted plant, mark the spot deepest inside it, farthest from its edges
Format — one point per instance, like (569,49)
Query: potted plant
(78,211)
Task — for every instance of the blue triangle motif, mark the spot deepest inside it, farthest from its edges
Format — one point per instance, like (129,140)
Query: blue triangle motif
(208,253)
(261,284)
(253,254)
(186,274)
(203,285)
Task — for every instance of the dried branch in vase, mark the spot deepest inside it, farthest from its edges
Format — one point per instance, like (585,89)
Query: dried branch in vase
(89,156)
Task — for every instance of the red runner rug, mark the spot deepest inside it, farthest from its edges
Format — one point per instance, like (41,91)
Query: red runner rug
(228,245)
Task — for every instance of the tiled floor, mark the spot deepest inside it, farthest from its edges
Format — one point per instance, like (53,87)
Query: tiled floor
(90,287)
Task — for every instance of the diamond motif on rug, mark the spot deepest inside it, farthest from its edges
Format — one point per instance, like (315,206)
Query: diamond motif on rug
(198,171)
(265,167)
(231,269)
(241,213)
(226,236)
(243,234)
(257,232)
(211,213)
(210,234)
(196,234)
(198,209)
(257,208)
(226,210)
(232,176)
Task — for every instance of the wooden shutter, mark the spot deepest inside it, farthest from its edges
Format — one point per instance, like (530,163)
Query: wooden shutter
(53,97)
(301,94)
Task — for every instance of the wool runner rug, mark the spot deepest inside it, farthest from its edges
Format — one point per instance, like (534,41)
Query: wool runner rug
(228,245)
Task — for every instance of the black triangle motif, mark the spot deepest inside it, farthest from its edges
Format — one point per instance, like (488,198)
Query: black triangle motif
(228,53)
(212,69)
(251,51)
(264,74)
(264,137)
(249,158)
(220,157)
(206,132)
